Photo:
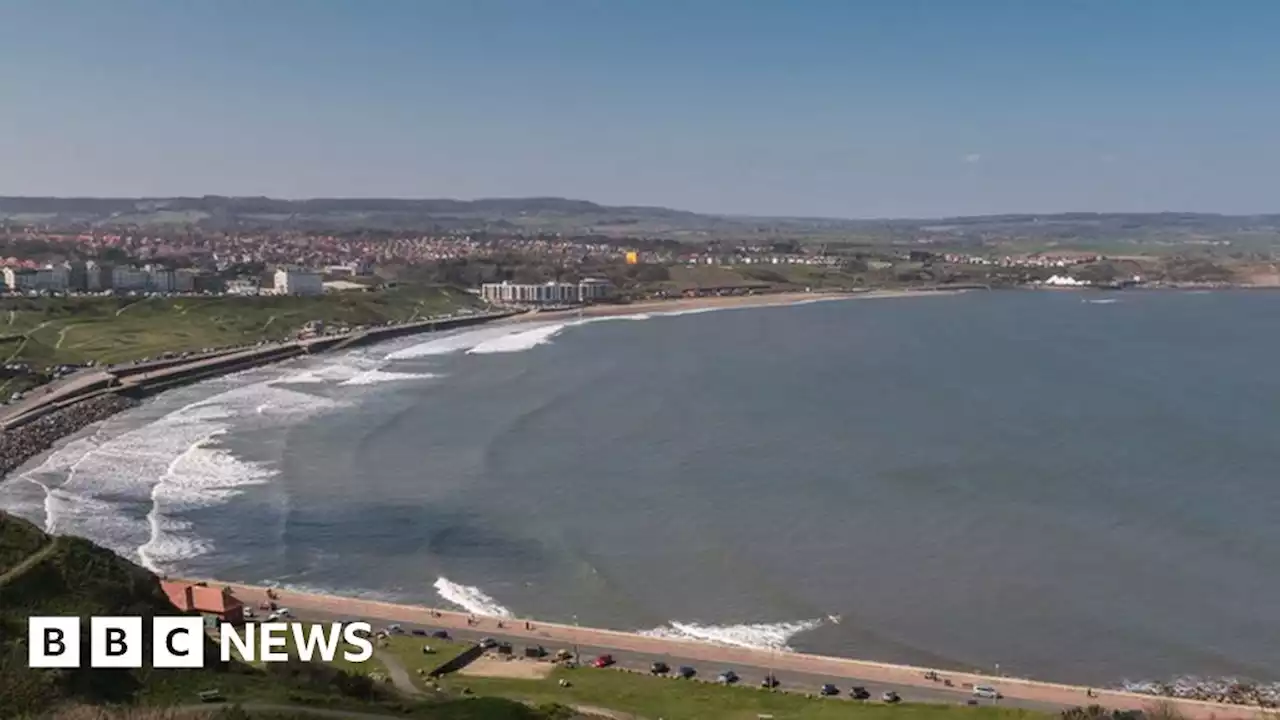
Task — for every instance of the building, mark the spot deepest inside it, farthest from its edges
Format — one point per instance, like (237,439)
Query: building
(551,293)
(127,279)
(53,277)
(594,290)
(215,604)
(19,279)
(293,281)
(160,279)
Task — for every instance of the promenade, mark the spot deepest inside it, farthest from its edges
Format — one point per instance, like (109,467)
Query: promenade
(1031,691)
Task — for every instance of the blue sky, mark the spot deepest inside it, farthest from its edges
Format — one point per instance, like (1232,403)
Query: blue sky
(810,107)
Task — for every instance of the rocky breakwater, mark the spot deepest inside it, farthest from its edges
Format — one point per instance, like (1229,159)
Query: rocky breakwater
(20,444)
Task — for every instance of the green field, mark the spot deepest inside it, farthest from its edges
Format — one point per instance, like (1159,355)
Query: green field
(672,699)
(52,331)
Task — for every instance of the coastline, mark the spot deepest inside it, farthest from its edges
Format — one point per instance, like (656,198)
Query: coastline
(850,668)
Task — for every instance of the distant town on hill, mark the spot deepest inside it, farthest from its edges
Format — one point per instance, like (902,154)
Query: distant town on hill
(561,215)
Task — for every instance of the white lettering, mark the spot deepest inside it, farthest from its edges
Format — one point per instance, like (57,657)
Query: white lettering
(358,634)
(307,638)
(271,636)
(244,646)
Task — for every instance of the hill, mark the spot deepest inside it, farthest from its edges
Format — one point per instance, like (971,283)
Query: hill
(547,214)
(45,575)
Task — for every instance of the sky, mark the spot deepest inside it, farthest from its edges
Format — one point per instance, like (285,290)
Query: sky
(839,108)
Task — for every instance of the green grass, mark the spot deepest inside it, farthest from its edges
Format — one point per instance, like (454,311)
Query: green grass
(49,331)
(408,650)
(672,699)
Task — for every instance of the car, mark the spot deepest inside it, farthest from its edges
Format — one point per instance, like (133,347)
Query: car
(603,661)
(860,693)
(728,677)
(487,643)
(395,629)
(686,672)
(659,668)
(418,631)
(986,691)
(563,655)
(769,682)
(273,617)
(890,696)
(828,690)
(441,634)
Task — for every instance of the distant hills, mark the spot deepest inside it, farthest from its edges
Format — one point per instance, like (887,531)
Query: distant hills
(548,214)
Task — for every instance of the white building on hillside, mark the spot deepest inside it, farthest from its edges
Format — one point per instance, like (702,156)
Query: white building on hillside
(293,281)
(552,293)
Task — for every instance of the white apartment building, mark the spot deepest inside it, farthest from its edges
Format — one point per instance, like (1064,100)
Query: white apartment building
(292,281)
(552,293)
(50,277)
(160,279)
(126,278)
(19,279)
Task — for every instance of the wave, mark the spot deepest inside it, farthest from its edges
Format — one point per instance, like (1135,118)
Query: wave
(96,487)
(519,341)
(759,636)
(1103,301)
(472,599)
(451,343)
(375,377)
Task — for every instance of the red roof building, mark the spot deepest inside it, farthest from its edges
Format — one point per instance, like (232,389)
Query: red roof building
(192,597)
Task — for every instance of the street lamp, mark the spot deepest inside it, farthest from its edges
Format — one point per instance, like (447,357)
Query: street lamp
(577,658)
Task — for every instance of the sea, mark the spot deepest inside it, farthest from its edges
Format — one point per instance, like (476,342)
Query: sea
(1070,486)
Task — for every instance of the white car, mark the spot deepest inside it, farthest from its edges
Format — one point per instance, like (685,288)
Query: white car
(986,691)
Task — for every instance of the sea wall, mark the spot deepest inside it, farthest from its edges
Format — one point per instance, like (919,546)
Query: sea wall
(20,444)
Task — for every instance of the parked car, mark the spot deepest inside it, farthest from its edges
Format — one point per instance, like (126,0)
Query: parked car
(441,634)
(686,672)
(603,661)
(659,668)
(728,677)
(488,642)
(986,691)
(890,696)
(828,690)
(419,632)
(860,693)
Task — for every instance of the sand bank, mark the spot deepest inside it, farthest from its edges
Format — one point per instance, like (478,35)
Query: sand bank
(552,633)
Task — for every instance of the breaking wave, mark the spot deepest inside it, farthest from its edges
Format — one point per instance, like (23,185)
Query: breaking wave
(95,487)
(472,599)
(759,636)
(375,377)
(520,341)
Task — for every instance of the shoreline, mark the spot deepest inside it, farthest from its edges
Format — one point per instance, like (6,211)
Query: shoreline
(60,408)
(849,668)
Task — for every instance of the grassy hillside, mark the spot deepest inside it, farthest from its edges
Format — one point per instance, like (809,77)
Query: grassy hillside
(50,331)
(71,576)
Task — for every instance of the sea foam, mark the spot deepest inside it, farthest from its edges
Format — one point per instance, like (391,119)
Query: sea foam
(760,636)
(472,599)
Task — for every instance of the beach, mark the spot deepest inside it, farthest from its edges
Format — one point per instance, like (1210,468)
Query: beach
(551,633)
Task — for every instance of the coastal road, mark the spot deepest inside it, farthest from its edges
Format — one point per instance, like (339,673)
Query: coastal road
(799,670)
(750,676)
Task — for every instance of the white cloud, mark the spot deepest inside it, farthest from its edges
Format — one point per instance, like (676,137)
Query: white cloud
(972,157)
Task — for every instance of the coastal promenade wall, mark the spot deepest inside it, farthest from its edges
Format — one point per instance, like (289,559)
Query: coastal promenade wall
(866,670)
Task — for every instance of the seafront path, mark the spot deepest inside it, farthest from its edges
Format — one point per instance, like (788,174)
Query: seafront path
(710,659)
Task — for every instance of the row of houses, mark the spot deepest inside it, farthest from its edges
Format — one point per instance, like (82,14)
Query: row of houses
(551,293)
(91,276)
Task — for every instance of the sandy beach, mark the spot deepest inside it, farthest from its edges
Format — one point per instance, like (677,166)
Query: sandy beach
(551,633)
(688,304)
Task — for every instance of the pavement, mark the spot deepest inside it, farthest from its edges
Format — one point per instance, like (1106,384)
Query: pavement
(750,675)
(798,670)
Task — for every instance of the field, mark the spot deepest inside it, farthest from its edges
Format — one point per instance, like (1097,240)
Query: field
(51,331)
(652,697)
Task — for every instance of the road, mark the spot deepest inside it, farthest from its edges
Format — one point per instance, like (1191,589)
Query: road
(789,680)
(808,671)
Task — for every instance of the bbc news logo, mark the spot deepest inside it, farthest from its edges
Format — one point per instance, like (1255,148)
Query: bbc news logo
(179,642)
